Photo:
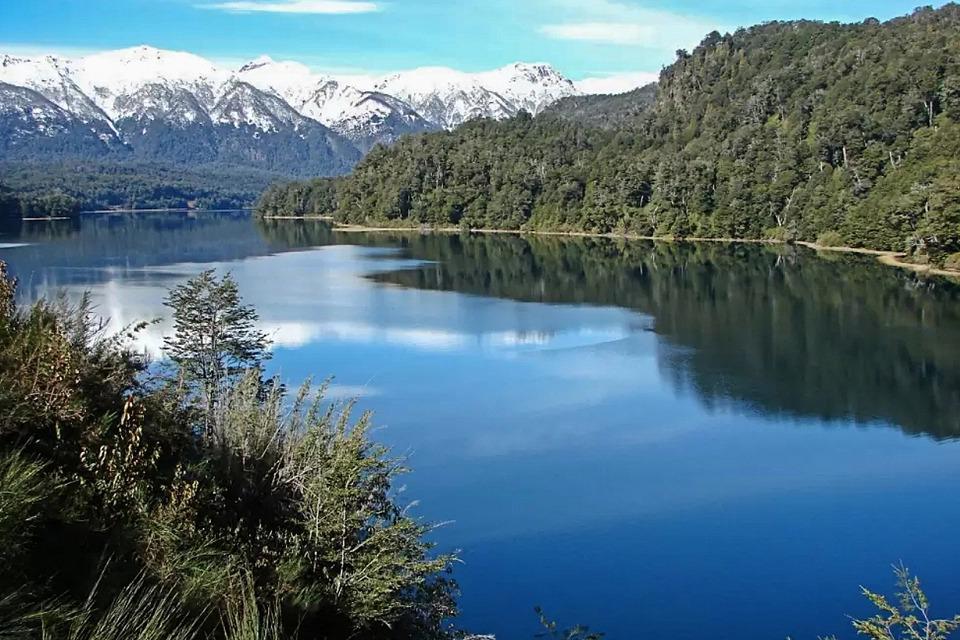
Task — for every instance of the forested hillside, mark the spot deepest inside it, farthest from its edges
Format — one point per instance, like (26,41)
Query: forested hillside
(605,111)
(14,207)
(106,185)
(787,130)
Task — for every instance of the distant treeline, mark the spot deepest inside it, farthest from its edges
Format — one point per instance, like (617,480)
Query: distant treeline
(14,207)
(847,134)
(110,185)
(301,198)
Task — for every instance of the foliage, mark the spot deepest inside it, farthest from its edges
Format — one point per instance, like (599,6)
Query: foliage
(47,205)
(9,205)
(215,336)
(122,517)
(786,130)
(553,631)
(138,185)
(830,238)
(605,111)
(314,197)
(909,619)
(23,489)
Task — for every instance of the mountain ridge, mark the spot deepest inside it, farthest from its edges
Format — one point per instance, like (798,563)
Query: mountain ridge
(174,106)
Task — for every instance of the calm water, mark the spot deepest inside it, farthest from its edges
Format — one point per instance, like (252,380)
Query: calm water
(659,441)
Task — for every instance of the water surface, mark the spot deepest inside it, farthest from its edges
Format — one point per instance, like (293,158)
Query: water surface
(665,441)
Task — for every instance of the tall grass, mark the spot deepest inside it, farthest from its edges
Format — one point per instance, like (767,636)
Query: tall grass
(141,611)
(23,488)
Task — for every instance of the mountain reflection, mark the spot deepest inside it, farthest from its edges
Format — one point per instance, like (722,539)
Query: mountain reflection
(779,331)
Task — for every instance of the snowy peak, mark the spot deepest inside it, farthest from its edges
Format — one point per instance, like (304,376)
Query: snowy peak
(289,80)
(531,87)
(157,104)
(107,76)
(143,63)
(262,61)
(329,101)
(50,77)
(107,85)
(450,98)
(445,96)
(33,127)
(243,105)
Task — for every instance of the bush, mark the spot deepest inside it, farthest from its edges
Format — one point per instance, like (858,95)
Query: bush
(830,239)
(778,234)
(276,515)
(952,261)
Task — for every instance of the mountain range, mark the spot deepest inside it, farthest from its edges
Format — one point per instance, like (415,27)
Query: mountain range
(149,104)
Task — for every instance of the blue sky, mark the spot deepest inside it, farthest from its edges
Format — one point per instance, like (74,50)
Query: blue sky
(582,38)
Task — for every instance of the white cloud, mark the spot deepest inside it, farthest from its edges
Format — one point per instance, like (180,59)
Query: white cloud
(616,23)
(607,32)
(25,50)
(296,6)
(616,83)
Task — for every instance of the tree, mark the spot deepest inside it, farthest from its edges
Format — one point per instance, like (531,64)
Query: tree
(215,336)
(781,131)
(909,619)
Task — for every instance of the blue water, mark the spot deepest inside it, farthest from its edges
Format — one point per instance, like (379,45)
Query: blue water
(661,442)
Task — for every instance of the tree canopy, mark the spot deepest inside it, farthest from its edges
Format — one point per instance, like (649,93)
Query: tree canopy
(786,130)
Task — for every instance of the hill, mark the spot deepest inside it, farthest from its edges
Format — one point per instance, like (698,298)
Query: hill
(605,111)
(788,130)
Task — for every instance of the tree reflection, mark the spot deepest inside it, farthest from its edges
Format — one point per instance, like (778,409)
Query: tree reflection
(777,330)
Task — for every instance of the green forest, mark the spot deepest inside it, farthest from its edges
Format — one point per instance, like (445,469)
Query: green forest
(825,132)
(113,185)
(14,207)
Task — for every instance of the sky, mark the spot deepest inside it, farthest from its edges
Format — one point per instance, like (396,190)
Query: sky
(601,39)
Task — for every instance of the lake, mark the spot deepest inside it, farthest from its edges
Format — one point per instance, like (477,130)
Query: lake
(656,440)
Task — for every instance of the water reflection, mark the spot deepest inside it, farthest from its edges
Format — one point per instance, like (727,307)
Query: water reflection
(780,331)
(620,432)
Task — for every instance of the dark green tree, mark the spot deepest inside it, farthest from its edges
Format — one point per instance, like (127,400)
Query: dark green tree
(215,337)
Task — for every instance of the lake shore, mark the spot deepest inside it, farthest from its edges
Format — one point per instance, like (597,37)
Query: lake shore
(889,258)
(171,210)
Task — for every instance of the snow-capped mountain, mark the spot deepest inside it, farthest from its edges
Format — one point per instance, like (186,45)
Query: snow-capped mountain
(366,118)
(175,106)
(445,96)
(531,87)
(449,97)
(33,127)
(111,75)
(292,81)
(50,76)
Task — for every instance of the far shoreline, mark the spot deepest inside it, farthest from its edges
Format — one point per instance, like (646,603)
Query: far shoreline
(888,258)
(171,210)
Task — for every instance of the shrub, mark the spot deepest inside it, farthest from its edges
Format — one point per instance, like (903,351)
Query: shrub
(778,234)
(952,261)
(830,239)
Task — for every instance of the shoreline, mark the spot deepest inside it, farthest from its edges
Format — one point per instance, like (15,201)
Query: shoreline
(324,218)
(887,258)
(176,210)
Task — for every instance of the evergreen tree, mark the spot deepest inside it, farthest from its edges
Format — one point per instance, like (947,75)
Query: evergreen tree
(215,337)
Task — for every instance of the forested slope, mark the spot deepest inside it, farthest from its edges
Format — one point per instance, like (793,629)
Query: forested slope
(787,130)
(112,185)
